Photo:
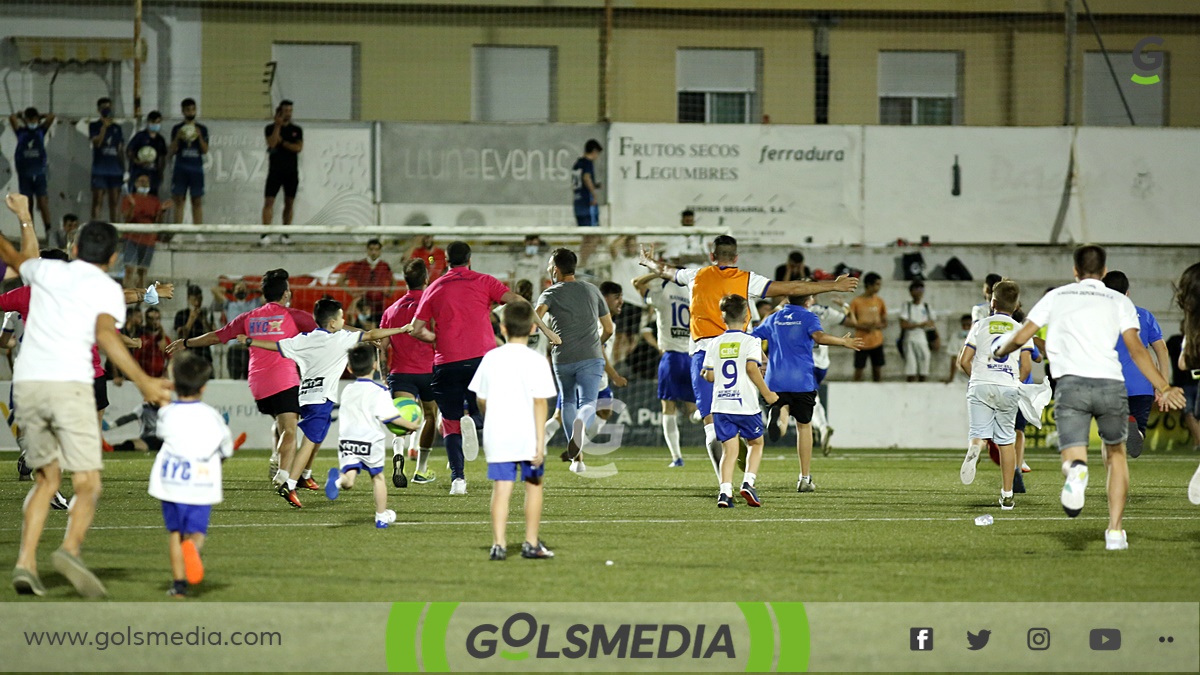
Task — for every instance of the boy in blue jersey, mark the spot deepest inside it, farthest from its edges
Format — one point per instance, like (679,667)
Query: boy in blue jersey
(30,155)
(1137,387)
(790,334)
(584,186)
(108,148)
(189,145)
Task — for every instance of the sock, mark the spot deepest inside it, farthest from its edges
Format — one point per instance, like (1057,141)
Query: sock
(1006,493)
(670,425)
(713,447)
(307,474)
(727,489)
(423,459)
(749,478)
(803,477)
(819,421)
(552,427)
(1067,466)
(291,483)
(281,476)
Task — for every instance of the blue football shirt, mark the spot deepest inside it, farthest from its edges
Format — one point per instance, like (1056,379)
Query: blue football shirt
(788,333)
(583,197)
(1136,384)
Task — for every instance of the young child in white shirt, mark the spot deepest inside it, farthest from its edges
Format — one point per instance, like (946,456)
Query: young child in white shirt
(366,408)
(512,385)
(187,471)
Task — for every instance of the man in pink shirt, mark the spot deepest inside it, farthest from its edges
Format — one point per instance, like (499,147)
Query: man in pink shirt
(411,370)
(274,380)
(455,316)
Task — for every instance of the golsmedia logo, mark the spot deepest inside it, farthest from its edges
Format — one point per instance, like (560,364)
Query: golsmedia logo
(624,641)
(600,636)
(1148,62)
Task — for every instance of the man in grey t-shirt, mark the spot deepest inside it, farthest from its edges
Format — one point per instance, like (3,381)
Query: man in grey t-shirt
(575,307)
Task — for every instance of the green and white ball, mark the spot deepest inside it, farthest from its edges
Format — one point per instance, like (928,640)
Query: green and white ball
(409,409)
(147,155)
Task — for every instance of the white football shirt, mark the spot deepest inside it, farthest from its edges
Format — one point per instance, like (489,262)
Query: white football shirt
(65,301)
(831,318)
(187,470)
(986,368)
(366,407)
(673,314)
(322,358)
(917,314)
(727,356)
(509,379)
(1084,322)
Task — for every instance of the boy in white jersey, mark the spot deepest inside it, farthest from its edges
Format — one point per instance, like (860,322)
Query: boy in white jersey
(321,356)
(187,470)
(672,309)
(366,408)
(993,391)
(733,364)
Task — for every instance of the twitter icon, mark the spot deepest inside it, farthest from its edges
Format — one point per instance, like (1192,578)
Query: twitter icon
(978,641)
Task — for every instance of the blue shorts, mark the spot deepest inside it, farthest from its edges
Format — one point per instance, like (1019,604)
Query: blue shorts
(359,466)
(417,385)
(675,377)
(702,387)
(589,217)
(1139,410)
(101,182)
(820,374)
(32,186)
(185,181)
(137,255)
(186,518)
(1189,395)
(510,470)
(315,419)
(728,426)
(1022,423)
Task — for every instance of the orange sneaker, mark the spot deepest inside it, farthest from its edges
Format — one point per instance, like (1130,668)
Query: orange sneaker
(193,569)
(104,444)
(308,484)
(239,441)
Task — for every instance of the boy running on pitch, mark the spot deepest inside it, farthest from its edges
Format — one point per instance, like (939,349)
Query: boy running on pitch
(512,385)
(994,388)
(321,355)
(734,365)
(366,408)
(790,334)
(187,471)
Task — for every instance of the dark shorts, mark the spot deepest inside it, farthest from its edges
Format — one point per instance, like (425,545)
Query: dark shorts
(820,374)
(186,518)
(875,355)
(511,470)
(100,387)
(185,182)
(728,426)
(1021,422)
(1139,410)
(288,180)
(32,186)
(450,381)
(1079,399)
(800,404)
(675,377)
(286,401)
(587,217)
(1189,395)
(100,182)
(315,420)
(417,385)
(702,388)
(134,254)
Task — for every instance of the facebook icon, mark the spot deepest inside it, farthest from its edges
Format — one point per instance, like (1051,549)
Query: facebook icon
(920,639)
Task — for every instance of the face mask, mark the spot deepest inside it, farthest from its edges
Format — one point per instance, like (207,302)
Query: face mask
(143,190)
(240,295)
(154,127)
(531,249)
(106,112)
(190,117)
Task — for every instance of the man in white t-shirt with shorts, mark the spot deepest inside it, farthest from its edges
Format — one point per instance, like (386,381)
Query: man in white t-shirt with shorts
(1085,320)
(73,306)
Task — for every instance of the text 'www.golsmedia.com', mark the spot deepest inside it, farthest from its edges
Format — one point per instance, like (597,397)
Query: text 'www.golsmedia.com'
(129,637)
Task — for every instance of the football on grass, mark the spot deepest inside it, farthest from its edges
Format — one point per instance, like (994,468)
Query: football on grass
(409,410)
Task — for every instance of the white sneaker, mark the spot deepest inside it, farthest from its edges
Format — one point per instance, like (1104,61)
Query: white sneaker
(458,486)
(285,240)
(470,438)
(1074,489)
(273,468)
(1115,540)
(280,477)
(1025,467)
(577,466)
(389,516)
(1194,488)
(200,238)
(265,240)
(826,440)
(967,472)
(695,417)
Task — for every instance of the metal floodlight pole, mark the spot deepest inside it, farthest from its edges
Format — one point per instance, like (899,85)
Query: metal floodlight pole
(1070,24)
(606,64)
(137,62)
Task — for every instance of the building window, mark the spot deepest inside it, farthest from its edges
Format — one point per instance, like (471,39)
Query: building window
(920,88)
(320,79)
(513,84)
(718,86)
(1102,104)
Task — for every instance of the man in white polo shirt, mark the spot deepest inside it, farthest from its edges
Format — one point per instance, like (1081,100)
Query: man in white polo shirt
(72,307)
(1085,320)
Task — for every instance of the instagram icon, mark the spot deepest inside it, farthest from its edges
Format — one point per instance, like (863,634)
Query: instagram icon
(1038,639)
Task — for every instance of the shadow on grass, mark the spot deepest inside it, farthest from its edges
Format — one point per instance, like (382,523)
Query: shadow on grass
(1076,539)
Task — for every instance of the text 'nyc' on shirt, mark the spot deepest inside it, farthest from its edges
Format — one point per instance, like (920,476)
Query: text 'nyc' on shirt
(322,358)
(984,335)
(727,356)
(270,372)
(187,470)
(1083,322)
(672,309)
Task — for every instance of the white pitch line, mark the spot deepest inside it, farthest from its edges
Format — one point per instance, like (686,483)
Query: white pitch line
(650,521)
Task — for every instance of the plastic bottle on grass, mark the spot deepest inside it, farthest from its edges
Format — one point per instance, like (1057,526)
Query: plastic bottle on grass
(984,520)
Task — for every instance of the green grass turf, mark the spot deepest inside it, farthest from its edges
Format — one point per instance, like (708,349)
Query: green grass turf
(883,526)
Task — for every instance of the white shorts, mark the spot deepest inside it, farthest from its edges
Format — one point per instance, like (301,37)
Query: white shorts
(916,358)
(352,453)
(993,412)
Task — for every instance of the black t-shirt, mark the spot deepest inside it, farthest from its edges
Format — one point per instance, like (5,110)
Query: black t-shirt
(781,273)
(282,159)
(1179,378)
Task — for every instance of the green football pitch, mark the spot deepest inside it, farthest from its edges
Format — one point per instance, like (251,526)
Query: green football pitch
(882,526)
